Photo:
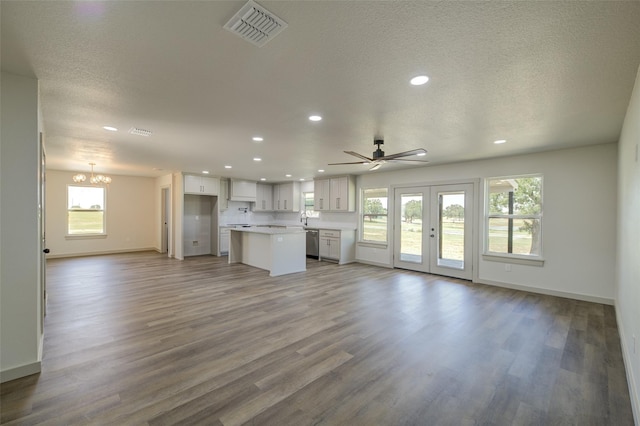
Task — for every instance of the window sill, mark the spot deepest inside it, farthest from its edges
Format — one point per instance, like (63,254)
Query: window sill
(84,236)
(516,260)
(372,244)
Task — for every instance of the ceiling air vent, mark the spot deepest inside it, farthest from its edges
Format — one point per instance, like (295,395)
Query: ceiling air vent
(140,132)
(255,24)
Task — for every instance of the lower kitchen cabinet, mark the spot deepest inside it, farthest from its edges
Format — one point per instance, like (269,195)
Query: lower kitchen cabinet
(337,245)
(224,241)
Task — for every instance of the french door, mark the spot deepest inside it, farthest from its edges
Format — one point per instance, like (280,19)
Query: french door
(433,229)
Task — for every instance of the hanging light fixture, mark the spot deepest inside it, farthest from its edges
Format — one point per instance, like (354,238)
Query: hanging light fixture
(94,179)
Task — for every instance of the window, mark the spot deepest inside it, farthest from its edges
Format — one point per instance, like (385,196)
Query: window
(374,215)
(85,210)
(307,198)
(514,216)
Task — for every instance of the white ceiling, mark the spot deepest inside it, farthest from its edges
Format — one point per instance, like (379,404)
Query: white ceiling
(542,75)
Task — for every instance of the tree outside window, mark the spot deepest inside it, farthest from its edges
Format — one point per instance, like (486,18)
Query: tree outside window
(514,216)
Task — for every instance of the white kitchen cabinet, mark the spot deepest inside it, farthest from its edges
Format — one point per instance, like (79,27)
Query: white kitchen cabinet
(335,194)
(201,185)
(321,194)
(242,190)
(264,198)
(286,197)
(337,245)
(223,198)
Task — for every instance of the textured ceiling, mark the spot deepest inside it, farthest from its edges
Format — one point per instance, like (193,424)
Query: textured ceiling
(542,75)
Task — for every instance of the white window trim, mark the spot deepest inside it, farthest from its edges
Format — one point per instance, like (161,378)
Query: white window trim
(368,243)
(491,256)
(96,235)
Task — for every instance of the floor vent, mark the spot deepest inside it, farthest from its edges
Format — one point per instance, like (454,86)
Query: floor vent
(140,132)
(255,24)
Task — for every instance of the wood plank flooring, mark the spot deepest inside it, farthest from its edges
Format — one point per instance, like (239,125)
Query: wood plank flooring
(135,339)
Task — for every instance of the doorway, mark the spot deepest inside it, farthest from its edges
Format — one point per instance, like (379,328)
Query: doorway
(433,229)
(164,221)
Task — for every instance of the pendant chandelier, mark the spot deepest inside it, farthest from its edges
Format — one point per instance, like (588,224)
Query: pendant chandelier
(94,179)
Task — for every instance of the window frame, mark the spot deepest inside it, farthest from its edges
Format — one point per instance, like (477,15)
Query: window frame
(314,213)
(87,235)
(524,259)
(362,216)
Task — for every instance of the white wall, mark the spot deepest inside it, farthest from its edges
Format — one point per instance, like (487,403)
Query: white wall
(130,223)
(20,246)
(628,248)
(579,223)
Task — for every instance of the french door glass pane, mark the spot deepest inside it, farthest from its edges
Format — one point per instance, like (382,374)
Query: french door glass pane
(411,228)
(451,229)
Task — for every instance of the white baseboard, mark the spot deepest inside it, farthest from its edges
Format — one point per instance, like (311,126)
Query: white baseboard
(99,253)
(549,292)
(22,371)
(367,262)
(627,356)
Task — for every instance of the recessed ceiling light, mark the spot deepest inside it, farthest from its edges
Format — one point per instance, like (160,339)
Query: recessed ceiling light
(257,139)
(315,118)
(206,172)
(227,167)
(287,175)
(257,159)
(263,179)
(109,128)
(301,179)
(500,141)
(321,170)
(421,154)
(419,80)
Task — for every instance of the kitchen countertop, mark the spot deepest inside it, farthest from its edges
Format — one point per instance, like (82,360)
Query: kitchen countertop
(270,231)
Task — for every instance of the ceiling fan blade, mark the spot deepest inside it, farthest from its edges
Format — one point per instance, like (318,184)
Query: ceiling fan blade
(355,154)
(407,159)
(376,167)
(404,154)
(353,162)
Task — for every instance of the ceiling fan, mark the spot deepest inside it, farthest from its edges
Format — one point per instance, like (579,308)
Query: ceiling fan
(378,158)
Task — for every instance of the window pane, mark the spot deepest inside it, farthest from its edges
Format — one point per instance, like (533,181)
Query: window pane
(411,228)
(374,215)
(86,222)
(85,197)
(519,196)
(525,236)
(451,242)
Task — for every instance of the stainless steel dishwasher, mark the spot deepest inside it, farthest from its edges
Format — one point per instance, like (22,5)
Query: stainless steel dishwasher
(313,243)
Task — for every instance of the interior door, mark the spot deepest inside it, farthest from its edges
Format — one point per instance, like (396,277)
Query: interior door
(43,234)
(433,229)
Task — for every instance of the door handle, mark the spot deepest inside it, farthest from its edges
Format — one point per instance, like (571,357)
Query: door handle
(46,251)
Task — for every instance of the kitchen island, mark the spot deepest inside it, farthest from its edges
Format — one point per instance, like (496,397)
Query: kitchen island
(278,250)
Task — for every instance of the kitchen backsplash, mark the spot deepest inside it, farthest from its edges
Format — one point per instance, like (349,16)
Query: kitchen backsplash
(240,212)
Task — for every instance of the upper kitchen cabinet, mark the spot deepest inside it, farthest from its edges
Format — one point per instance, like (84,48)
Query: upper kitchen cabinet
(286,197)
(321,197)
(242,190)
(201,185)
(264,198)
(335,194)
(223,199)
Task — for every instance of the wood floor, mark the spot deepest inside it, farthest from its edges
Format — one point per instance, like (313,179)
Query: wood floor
(138,339)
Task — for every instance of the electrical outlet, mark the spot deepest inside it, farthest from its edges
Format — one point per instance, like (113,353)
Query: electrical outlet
(195,243)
